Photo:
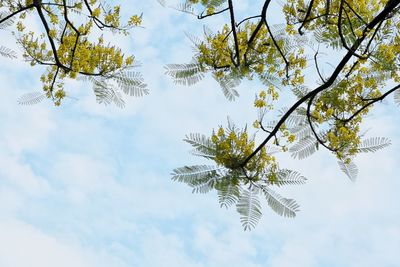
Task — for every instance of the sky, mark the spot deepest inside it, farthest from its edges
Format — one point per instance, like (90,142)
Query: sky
(89,185)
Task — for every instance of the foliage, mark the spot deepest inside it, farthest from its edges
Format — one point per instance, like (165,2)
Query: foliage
(70,47)
(235,184)
(327,110)
(365,34)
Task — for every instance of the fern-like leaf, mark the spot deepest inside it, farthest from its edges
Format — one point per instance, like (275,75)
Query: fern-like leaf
(373,144)
(288,177)
(132,83)
(7,22)
(203,146)
(282,206)
(228,192)
(118,99)
(186,8)
(31,98)
(300,91)
(185,74)
(301,131)
(191,174)
(334,41)
(227,84)
(106,94)
(397,97)
(249,208)
(304,148)
(349,169)
(205,185)
(7,52)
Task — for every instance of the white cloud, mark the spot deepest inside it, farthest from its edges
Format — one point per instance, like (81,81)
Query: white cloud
(22,245)
(93,182)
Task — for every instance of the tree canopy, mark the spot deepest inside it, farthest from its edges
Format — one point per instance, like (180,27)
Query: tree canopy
(72,46)
(327,109)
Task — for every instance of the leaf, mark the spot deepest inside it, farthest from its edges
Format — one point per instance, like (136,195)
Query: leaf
(7,52)
(301,131)
(203,146)
(249,208)
(269,79)
(296,118)
(373,144)
(132,83)
(334,40)
(191,174)
(105,94)
(7,22)
(185,74)
(304,148)
(350,170)
(185,7)
(118,100)
(282,206)
(205,184)
(397,97)
(31,98)
(288,177)
(300,91)
(227,84)
(228,192)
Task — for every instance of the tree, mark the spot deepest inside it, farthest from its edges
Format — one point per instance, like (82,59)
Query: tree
(328,115)
(327,112)
(66,47)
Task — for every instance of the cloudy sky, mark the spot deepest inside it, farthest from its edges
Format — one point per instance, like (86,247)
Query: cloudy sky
(88,185)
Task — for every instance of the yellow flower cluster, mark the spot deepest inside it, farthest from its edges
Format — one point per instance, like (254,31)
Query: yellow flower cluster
(69,50)
(234,146)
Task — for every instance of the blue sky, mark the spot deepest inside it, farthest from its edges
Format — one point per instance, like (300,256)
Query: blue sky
(89,185)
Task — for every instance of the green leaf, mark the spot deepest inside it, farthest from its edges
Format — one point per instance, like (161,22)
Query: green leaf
(249,208)
(105,93)
(132,83)
(204,185)
(7,52)
(295,119)
(228,192)
(7,22)
(397,97)
(203,146)
(185,74)
(186,7)
(191,174)
(301,131)
(373,144)
(227,84)
(350,170)
(282,206)
(304,148)
(31,98)
(288,177)
(300,91)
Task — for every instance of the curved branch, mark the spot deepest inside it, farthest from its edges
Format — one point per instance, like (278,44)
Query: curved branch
(201,16)
(16,12)
(306,17)
(381,16)
(371,102)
